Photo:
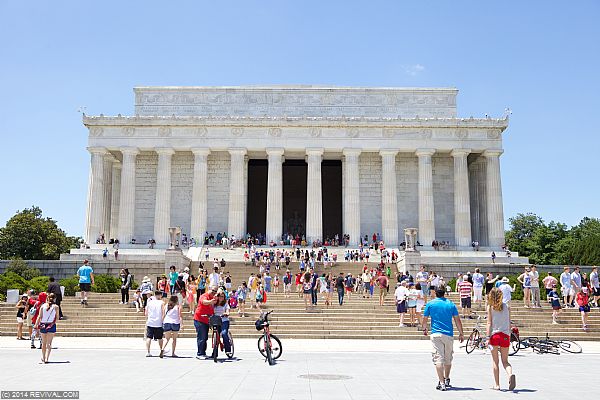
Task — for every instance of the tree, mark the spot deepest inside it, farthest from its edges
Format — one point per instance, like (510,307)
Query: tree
(29,236)
(522,230)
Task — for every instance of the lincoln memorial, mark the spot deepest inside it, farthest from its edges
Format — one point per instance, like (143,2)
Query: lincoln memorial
(309,160)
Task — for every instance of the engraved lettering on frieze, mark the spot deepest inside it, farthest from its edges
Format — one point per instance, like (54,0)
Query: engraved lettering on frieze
(96,131)
(426,133)
(461,133)
(128,131)
(389,132)
(237,131)
(201,131)
(315,132)
(164,131)
(276,132)
(352,132)
(493,133)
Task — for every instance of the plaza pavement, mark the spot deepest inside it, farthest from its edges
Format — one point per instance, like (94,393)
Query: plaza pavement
(115,368)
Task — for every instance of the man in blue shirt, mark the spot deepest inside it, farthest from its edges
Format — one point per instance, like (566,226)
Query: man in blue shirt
(442,311)
(86,280)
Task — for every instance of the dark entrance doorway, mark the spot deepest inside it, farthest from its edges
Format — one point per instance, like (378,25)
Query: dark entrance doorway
(256,213)
(294,197)
(331,184)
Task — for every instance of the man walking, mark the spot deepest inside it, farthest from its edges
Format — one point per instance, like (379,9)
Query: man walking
(86,280)
(154,324)
(339,286)
(442,311)
(54,287)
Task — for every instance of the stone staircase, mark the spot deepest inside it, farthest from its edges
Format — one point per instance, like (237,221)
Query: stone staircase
(358,318)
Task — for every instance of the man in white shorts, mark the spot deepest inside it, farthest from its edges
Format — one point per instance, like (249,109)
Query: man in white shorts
(478,281)
(442,311)
(566,283)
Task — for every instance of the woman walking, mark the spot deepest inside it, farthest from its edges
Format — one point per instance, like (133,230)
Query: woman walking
(125,285)
(242,295)
(306,289)
(498,329)
(46,324)
(191,289)
(172,324)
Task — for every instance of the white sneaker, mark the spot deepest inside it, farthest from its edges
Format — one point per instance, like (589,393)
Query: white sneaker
(120,302)
(402,326)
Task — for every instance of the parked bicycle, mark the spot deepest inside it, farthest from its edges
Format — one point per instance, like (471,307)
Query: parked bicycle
(269,345)
(547,345)
(477,341)
(216,323)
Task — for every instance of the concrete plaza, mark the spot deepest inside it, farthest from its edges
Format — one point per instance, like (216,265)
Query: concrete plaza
(108,368)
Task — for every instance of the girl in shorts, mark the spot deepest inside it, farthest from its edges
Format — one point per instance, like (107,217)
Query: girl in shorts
(412,303)
(21,305)
(306,289)
(46,324)
(420,303)
(242,295)
(498,329)
(583,300)
(554,299)
(172,324)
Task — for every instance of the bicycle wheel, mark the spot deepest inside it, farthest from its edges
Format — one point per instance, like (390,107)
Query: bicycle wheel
(514,345)
(230,355)
(472,341)
(276,348)
(269,352)
(569,346)
(215,340)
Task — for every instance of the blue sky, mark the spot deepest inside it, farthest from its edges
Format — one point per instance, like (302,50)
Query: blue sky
(539,58)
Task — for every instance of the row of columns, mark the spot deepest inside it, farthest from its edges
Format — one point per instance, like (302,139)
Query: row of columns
(107,184)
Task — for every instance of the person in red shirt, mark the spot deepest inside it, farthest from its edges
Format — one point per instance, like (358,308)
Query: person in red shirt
(584,306)
(35,332)
(205,308)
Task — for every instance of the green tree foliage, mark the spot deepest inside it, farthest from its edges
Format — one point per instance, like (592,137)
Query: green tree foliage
(554,243)
(29,236)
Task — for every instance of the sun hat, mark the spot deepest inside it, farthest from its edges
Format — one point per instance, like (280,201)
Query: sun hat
(146,279)
(504,279)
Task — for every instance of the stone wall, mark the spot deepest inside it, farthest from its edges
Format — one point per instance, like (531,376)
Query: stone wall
(64,269)
(218,191)
(443,197)
(369,171)
(182,174)
(407,186)
(477,189)
(145,196)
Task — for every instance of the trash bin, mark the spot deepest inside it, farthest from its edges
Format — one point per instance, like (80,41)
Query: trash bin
(12,296)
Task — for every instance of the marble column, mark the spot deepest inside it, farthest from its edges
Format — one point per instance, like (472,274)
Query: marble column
(199,223)
(426,210)
(274,224)
(115,194)
(462,200)
(95,207)
(237,192)
(108,169)
(162,206)
(352,195)
(314,196)
(127,198)
(495,212)
(389,198)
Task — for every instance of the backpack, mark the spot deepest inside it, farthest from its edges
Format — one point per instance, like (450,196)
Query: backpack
(259,296)
(233,302)
(33,310)
(286,279)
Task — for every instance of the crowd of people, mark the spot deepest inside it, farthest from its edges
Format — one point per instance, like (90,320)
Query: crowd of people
(419,300)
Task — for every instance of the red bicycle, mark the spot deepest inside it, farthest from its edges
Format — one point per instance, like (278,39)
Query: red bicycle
(216,322)
(269,345)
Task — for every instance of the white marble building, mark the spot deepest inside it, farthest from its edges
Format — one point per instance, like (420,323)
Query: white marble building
(406,160)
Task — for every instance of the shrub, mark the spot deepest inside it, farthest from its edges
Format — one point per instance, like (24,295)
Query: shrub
(22,269)
(39,283)
(106,284)
(71,285)
(11,280)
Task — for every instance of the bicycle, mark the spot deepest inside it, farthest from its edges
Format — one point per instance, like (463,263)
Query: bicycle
(547,345)
(269,345)
(476,341)
(215,322)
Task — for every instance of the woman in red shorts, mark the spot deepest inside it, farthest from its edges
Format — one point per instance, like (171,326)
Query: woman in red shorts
(498,329)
